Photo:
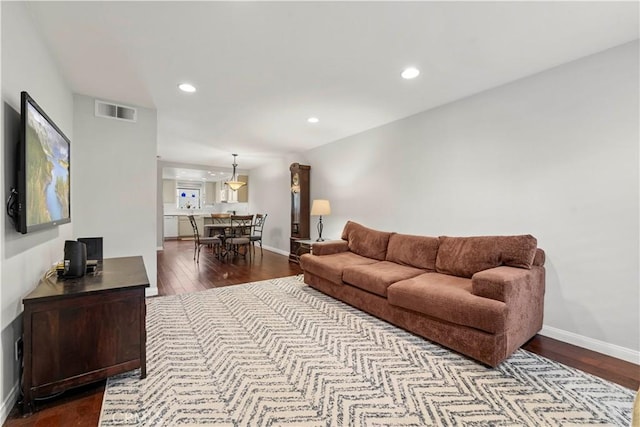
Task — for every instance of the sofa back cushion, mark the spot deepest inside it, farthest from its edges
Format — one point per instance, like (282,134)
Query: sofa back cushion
(365,241)
(465,256)
(414,251)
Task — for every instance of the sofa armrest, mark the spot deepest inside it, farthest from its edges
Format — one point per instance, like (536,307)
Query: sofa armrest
(330,247)
(502,283)
(522,292)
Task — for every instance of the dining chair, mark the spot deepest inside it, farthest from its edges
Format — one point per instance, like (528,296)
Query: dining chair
(240,234)
(199,241)
(256,234)
(219,219)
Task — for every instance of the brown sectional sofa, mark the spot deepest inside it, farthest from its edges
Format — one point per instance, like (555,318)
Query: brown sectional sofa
(481,296)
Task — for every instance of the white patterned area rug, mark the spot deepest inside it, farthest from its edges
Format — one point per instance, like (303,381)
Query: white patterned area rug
(280,353)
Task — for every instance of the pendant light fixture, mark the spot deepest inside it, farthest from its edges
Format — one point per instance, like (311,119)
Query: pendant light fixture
(233,183)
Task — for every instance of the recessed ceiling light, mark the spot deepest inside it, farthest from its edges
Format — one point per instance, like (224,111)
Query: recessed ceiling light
(410,73)
(186,87)
(313,120)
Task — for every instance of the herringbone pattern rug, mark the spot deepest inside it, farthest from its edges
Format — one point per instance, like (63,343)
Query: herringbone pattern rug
(280,353)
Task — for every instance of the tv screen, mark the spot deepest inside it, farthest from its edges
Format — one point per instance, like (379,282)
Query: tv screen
(43,172)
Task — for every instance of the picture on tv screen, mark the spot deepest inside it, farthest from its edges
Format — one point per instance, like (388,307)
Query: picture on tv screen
(46,170)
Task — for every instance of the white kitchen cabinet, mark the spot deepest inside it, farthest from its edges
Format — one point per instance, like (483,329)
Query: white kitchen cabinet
(243,192)
(168,191)
(184,227)
(226,195)
(210,193)
(200,224)
(222,192)
(170,226)
(232,196)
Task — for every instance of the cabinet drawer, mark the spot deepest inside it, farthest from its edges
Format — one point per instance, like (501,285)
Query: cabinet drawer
(72,341)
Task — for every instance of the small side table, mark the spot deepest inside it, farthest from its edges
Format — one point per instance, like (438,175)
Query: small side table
(304,247)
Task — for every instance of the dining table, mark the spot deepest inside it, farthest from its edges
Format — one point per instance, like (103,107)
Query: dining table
(222,230)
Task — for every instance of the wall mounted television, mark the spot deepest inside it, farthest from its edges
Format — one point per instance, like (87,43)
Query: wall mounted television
(44,173)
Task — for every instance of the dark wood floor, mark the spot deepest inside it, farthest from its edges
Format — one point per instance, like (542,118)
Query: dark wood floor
(178,273)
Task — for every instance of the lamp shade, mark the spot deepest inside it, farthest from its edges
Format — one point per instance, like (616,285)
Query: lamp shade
(235,185)
(320,207)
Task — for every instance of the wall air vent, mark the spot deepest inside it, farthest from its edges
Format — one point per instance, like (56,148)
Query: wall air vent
(109,110)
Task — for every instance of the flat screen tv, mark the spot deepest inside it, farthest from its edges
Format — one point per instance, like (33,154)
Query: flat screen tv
(44,190)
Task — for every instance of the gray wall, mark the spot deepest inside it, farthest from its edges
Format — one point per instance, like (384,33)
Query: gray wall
(26,65)
(117,195)
(554,155)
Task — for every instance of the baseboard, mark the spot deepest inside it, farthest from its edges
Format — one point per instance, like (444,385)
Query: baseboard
(8,403)
(151,292)
(612,350)
(276,250)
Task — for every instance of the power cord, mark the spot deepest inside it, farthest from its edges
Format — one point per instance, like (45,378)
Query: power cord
(12,206)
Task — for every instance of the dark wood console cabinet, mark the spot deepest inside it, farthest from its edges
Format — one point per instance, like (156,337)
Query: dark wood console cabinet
(77,331)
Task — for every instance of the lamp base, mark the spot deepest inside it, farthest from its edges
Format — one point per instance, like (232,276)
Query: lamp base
(320,239)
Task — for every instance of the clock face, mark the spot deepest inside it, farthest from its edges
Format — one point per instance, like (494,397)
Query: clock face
(296,179)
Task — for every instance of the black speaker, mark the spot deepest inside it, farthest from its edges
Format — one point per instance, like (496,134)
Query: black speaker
(94,247)
(75,258)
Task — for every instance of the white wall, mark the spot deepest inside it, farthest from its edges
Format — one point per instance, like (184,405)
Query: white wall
(555,155)
(159,208)
(26,65)
(117,162)
(270,193)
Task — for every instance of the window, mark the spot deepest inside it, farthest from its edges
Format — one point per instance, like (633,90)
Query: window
(188,198)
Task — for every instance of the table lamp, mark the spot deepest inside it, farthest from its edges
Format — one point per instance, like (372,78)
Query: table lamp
(320,207)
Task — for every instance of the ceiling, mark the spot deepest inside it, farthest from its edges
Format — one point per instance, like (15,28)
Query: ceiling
(189,173)
(262,68)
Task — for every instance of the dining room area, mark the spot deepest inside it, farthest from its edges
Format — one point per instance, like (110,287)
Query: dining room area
(207,220)
(199,191)
(178,273)
(226,236)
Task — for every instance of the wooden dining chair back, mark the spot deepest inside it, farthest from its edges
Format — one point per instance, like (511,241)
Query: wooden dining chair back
(220,218)
(200,241)
(256,233)
(240,234)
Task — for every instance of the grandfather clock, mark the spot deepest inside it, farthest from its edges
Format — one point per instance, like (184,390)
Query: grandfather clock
(300,207)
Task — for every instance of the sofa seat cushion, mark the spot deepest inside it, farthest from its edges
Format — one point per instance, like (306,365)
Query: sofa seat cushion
(330,267)
(377,277)
(448,298)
